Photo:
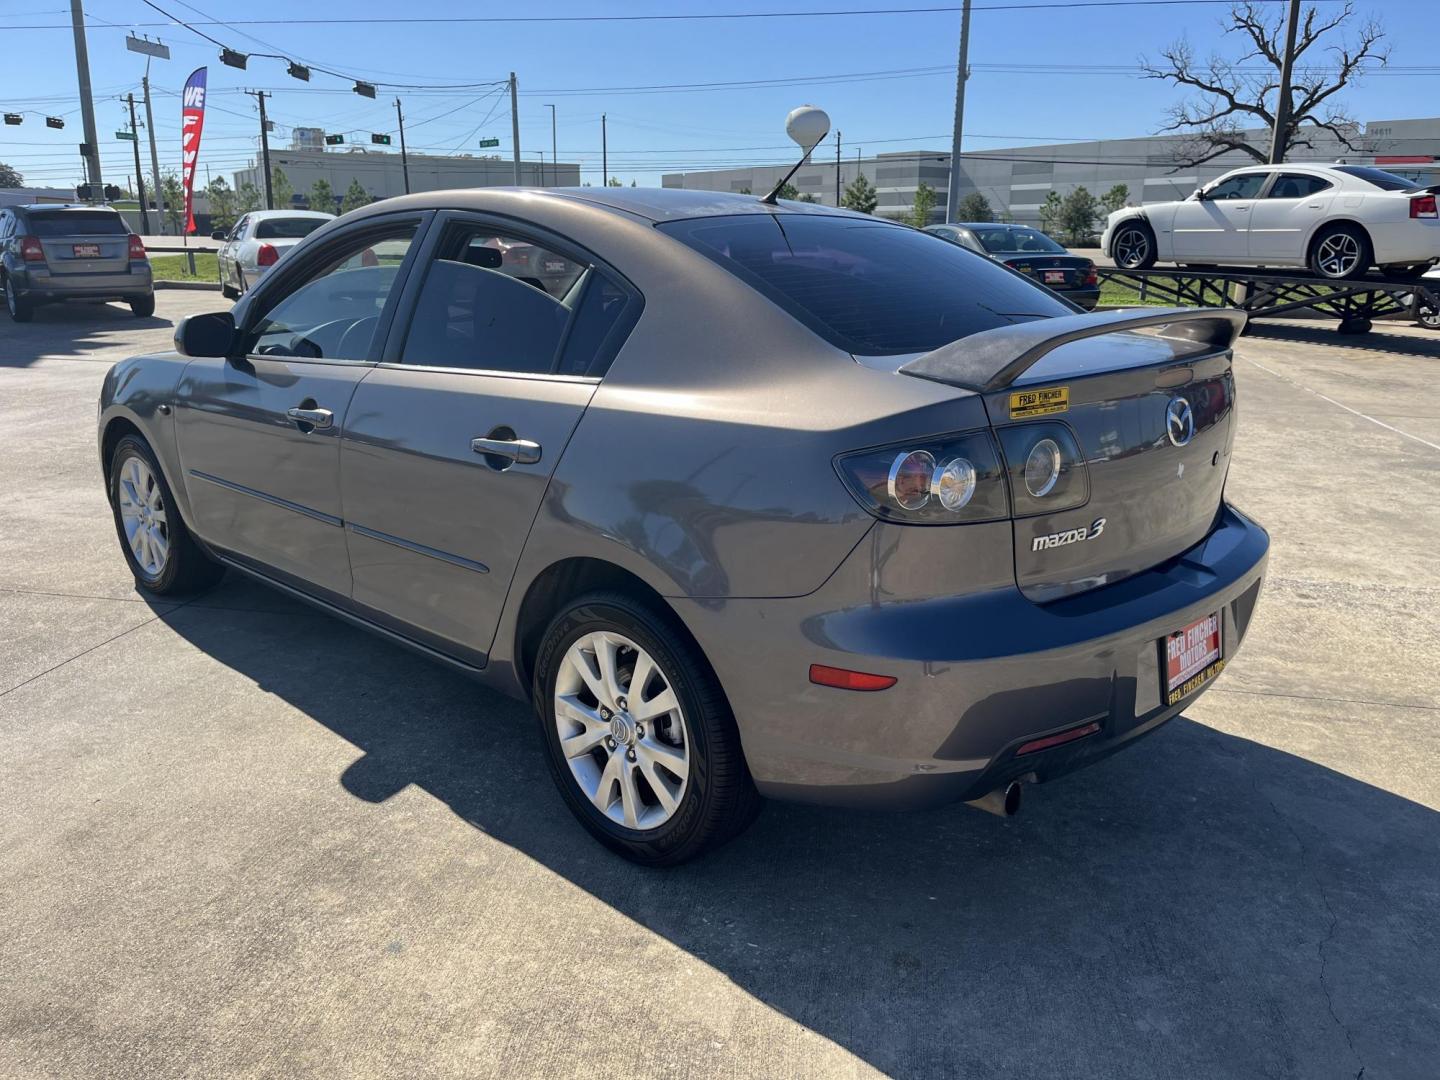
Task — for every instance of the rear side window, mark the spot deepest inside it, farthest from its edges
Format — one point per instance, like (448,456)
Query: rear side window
(868,287)
(78,223)
(287,228)
(1386,181)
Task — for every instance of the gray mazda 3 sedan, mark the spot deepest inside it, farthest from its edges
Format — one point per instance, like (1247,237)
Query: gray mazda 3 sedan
(748,499)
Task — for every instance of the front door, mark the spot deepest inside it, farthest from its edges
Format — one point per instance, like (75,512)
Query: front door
(452,442)
(259,434)
(1285,216)
(1216,228)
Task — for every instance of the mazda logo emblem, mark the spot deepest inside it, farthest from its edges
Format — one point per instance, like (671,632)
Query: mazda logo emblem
(1179,421)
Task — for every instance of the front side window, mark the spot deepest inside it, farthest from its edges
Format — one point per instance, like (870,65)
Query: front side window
(869,287)
(1297,186)
(332,315)
(1246,186)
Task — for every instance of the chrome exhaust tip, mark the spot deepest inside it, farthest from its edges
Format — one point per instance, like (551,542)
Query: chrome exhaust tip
(1002,802)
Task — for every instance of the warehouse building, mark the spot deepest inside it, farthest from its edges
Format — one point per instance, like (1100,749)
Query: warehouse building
(1015,181)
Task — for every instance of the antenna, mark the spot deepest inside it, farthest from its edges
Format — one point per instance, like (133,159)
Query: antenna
(806,125)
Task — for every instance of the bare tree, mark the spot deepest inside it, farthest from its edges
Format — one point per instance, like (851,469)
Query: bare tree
(1232,92)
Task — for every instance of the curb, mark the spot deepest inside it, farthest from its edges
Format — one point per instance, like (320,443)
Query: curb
(198,286)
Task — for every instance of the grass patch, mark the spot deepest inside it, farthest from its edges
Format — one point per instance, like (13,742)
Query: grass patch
(1112,292)
(177,267)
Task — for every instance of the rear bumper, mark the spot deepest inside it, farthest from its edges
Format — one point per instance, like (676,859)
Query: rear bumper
(1086,298)
(1416,240)
(979,674)
(42,287)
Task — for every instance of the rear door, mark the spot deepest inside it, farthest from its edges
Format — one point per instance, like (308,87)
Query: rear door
(1285,215)
(1217,227)
(82,241)
(259,434)
(453,439)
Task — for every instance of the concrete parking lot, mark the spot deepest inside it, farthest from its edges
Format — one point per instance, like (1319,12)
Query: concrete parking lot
(240,838)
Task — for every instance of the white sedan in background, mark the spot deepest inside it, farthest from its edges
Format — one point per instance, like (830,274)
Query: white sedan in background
(256,243)
(1336,220)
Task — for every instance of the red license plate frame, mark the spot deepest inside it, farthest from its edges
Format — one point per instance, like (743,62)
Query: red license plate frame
(1191,657)
(1053,277)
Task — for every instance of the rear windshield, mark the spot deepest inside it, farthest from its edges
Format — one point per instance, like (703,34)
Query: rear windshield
(1379,177)
(53,223)
(869,287)
(287,228)
(1008,241)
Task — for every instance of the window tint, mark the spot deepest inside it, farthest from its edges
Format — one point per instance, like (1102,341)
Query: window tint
(287,228)
(1011,241)
(1297,186)
(1386,181)
(594,338)
(866,286)
(333,314)
(1239,187)
(77,223)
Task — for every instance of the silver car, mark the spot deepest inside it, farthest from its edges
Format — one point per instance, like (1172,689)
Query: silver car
(53,254)
(756,500)
(256,242)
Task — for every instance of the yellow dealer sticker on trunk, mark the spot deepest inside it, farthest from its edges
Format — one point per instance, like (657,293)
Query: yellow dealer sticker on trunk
(1053,399)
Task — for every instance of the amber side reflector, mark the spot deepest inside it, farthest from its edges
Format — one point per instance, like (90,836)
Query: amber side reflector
(844,679)
(1059,739)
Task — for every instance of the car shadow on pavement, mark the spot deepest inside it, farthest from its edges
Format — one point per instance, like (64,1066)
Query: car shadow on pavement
(1418,341)
(69,330)
(1201,905)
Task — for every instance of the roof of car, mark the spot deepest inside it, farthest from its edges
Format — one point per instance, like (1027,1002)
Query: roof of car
(265,215)
(671,204)
(61,206)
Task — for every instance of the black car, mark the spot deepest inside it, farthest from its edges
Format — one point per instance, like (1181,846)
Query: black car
(1032,253)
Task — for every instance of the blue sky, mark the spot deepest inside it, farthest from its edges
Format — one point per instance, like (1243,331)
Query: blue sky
(578,66)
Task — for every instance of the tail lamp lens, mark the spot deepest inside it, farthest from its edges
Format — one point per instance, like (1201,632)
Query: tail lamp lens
(945,481)
(1423,206)
(30,249)
(1047,473)
(1092,276)
(267,255)
(137,247)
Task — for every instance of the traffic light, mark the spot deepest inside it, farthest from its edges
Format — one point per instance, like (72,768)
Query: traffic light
(365,89)
(334,140)
(299,71)
(54,122)
(382,140)
(231,58)
(13,118)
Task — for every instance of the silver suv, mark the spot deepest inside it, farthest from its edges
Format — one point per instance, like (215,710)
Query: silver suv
(50,254)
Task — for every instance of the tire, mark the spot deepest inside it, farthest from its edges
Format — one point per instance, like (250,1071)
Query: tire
(1340,252)
(716,800)
(144,307)
(20,309)
(184,568)
(1428,317)
(240,277)
(1133,245)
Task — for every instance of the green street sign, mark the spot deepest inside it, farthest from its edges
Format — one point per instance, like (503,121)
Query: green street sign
(487,143)
(125,135)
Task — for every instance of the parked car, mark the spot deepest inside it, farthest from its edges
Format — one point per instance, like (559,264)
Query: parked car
(53,254)
(256,243)
(1030,252)
(1336,220)
(774,500)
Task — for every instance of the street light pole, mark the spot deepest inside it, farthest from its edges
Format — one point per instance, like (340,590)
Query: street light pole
(159,189)
(554,154)
(139,173)
(604,154)
(515,125)
(1278,138)
(87,106)
(952,193)
(260,95)
(837,166)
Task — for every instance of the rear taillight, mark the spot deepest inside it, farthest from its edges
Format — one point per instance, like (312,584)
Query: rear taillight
(137,248)
(267,255)
(1423,206)
(944,481)
(1091,276)
(1047,473)
(30,249)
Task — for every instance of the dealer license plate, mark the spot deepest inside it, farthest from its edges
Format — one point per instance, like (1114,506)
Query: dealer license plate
(1054,277)
(554,266)
(86,251)
(1191,658)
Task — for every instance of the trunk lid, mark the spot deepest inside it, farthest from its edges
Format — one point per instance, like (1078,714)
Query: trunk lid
(1053,271)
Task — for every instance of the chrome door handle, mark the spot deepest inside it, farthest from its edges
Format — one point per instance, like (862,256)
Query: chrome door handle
(520,451)
(316,418)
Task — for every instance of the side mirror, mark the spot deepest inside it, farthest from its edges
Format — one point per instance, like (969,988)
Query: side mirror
(211,335)
(218,234)
(1200,195)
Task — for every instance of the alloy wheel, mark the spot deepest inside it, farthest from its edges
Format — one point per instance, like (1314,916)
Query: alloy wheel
(1131,248)
(142,513)
(621,730)
(1338,255)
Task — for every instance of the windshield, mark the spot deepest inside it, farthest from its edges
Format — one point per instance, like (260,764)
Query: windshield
(869,287)
(1386,181)
(77,223)
(287,228)
(1012,241)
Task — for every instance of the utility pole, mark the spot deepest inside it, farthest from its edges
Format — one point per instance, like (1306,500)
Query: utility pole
(554,154)
(604,154)
(260,96)
(91,153)
(1282,107)
(837,166)
(159,189)
(139,173)
(404,160)
(515,125)
(952,194)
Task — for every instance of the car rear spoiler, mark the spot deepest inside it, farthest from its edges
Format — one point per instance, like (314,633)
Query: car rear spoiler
(993,359)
